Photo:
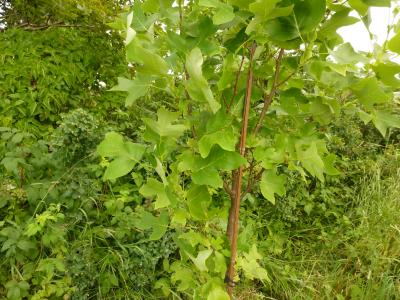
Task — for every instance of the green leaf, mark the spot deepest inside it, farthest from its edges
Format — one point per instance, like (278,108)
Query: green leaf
(264,10)
(219,131)
(384,120)
(249,264)
(387,72)
(198,199)
(155,188)
(159,224)
(217,293)
(369,92)
(224,13)
(394,43)
(125,154)
(345,54)
(306,16)
(200,260)
(150,62)
(136,88)
(379,3)
(205,171)
(16,290)
(320,111)
(359,6)
(272,184)
(269,157)
(118,168)
(197,85)
(311,160)
(164,126)
(339,19)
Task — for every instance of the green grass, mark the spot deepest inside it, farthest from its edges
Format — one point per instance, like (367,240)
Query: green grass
(358,258)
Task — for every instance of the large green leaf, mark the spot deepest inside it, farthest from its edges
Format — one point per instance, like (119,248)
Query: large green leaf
(387,73)
(250,265)
(394,43)
(158,224)
(264,10)
(156,188)
(197,85)
(369,92)
(198,199)
(272,184)
(345,54)
(164,126)
(224,12)
(384,120)
(149,62)
(219,131)
(306,16)
(205,171)
(310,158)
(339,19)
(136,88)
(201,258)
(125,154)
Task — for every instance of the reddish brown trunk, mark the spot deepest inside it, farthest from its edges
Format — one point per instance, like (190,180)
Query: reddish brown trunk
(233,221)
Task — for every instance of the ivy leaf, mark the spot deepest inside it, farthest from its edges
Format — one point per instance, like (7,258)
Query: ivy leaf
(224,13)
(272,184)
(136,88)
(198,199)
(125,154)
(369,92)
(197,85)
(159,224)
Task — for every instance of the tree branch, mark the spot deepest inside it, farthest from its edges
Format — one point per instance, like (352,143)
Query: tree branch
(233,221)
(228,108)
(268,98)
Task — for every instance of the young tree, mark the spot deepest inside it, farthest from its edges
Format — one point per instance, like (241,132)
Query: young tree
(253,86)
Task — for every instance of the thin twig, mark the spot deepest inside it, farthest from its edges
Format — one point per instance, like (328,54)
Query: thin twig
(228,189)
(228,108)
(33,27)
(268,98)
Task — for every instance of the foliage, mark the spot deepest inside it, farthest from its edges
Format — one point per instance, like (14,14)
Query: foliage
(45,73)
(275,69)
(102,201)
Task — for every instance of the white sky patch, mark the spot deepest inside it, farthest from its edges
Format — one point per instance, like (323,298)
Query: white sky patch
(357,35)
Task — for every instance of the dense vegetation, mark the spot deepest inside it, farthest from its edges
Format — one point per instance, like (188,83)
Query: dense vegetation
(128,193)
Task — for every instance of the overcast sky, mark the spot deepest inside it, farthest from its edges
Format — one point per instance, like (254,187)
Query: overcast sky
(358,36)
